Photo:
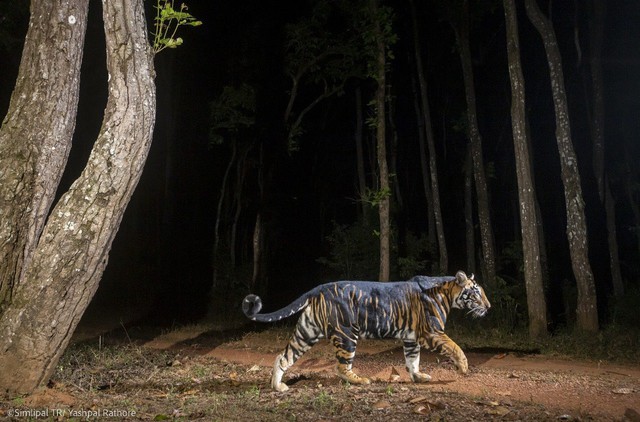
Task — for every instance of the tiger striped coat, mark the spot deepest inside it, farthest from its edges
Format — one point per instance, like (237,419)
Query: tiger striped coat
(414,311)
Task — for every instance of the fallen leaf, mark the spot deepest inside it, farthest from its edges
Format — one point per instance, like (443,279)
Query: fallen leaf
(513,375)
(503,393)
(254,368)
(622,391)
(498,411)
(381,405)
(422,409)
(395,375)
(500,356)
(418,399)
(488,403)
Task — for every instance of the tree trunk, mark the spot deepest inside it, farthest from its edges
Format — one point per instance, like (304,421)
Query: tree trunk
(362,180)
(257,239)
(216,229)
(612,240)
(596,33)
(384,205)
(72,252)
(424,166)
(484,216)
(587,310)
(596,36)
(433,168)
(468,211)
(536,304)
(33,156)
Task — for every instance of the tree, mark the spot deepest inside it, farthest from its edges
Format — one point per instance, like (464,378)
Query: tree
(587,310)
(459,20)
(596,37)
(67,249)
(318,59)
(536,304)
(232,114)
(433,166)
(381,37)
(33,157)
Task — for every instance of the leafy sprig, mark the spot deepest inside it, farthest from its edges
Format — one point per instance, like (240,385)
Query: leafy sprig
(167,22)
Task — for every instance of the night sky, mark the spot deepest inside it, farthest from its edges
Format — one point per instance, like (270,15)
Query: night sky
(161,259)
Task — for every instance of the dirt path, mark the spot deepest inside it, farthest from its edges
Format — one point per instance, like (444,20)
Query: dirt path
(568,390)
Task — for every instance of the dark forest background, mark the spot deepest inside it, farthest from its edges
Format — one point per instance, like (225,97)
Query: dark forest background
(162,264)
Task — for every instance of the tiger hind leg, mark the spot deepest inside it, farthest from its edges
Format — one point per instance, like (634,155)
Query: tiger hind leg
(305,335)
(412,360)
(345,352)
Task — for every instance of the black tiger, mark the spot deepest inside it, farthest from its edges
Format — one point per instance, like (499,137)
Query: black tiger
(345,311)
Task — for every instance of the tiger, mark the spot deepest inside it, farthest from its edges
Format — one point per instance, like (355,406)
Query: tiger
(414,311)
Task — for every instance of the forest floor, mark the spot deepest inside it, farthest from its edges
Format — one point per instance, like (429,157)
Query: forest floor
(199,373)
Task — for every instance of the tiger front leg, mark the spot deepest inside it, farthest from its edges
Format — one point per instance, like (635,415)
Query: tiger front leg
(412,360)
(345,352)
(450,349)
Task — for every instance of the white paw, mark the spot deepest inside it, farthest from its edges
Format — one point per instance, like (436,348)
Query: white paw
(420,377)
(280,387)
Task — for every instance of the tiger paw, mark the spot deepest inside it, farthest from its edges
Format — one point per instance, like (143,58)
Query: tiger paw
(463,366)
(419,377)
(280,387)
(352,378)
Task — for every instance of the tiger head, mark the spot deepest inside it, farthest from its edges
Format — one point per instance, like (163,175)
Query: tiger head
(470,296)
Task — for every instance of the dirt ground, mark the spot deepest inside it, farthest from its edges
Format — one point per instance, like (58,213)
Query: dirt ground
(196,373)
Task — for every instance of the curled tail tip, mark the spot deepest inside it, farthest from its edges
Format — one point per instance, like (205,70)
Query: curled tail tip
(251,305)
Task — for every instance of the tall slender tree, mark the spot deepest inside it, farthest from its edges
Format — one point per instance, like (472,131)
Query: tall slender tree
(379,70)
(598,11)
(54,285)
(587,310)
(460,22)
(432,160)
(536,305)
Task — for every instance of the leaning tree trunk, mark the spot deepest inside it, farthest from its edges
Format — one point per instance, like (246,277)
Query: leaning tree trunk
(35,138)
(461,30)
(536,304)
(587,310)
(433,167)
(72,252)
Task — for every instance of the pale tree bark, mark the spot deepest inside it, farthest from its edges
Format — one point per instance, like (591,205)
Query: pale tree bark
(596,35)
(536,305)
(33,156)
(433,167)
(587,310)
(72,252)
(461,29)
(384,203)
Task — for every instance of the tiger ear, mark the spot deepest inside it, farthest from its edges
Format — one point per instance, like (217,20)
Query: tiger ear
(461,278)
